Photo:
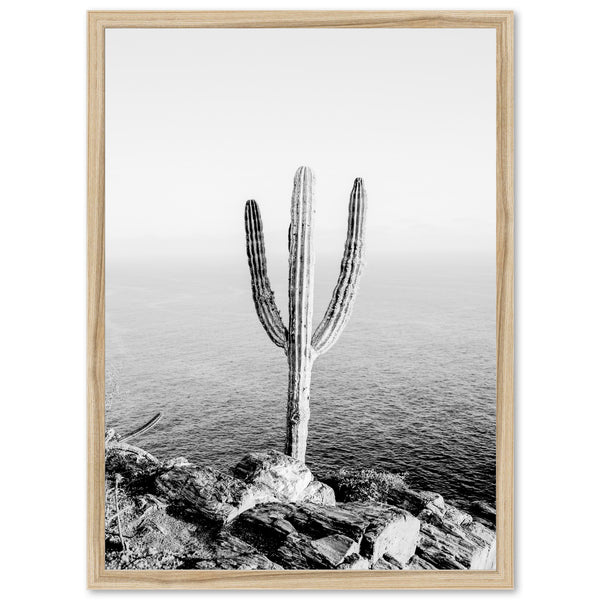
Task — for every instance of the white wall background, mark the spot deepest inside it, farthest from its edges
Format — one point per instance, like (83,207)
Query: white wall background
(42,312)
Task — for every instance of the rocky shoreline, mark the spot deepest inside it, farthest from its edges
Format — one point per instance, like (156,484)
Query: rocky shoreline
(269,512)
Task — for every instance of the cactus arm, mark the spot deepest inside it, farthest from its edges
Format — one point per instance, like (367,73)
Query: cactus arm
(344,293)
(264,299)
(301,283)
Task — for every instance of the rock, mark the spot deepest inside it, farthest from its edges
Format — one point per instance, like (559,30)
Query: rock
(414,501)
(180,461)
(133,464)
(318,493)
(269,528)
(384,565)
(485,539)
(484,513)
(315,536)
(299,552)
(449,546)
(390,530)
(229,552)
(286,476)
(265,526)
(354,562)
(456,516)
(209,494)
(271,514)
(417,563)
(301,536)
(320,521)
(336,548)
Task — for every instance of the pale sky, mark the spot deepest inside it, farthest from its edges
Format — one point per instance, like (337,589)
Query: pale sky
(200,120)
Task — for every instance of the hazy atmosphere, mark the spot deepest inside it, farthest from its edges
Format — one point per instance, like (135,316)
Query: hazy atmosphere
(198,121)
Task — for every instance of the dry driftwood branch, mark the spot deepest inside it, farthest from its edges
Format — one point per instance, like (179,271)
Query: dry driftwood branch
(119,525)
(149,425)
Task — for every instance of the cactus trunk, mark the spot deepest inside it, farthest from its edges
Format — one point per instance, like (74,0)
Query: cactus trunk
(301,282)
(298,341)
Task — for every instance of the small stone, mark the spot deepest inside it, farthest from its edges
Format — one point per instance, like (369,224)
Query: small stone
(384,565)
(354,562)
(180,461)
(456,516)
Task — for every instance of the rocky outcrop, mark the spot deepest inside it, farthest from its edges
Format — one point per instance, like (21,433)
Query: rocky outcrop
(449,538)
(269,512)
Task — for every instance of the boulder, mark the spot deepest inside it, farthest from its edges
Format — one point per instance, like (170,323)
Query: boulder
(449,546)
(317,537)
(265,526)
(270,529)
(317,492)
(206,493)
(390,530)
(286,476)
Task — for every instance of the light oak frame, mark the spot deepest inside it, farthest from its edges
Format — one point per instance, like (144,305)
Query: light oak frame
(502,577)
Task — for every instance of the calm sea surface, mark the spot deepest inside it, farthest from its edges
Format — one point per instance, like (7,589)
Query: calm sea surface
(410,385)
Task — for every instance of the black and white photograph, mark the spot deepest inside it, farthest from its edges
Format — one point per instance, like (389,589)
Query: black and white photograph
(300,320)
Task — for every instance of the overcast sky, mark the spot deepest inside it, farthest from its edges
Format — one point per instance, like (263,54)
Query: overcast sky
(200,120)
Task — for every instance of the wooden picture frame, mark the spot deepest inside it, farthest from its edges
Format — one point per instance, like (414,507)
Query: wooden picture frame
(502,577)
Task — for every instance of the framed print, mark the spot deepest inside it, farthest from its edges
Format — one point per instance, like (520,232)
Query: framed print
(300,300)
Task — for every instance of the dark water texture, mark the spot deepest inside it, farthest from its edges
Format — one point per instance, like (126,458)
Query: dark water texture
(410,385)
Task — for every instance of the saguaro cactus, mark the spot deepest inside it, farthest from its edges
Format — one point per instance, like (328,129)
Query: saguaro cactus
(302,346)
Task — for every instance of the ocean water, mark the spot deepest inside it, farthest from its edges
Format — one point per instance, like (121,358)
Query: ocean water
(409,387)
